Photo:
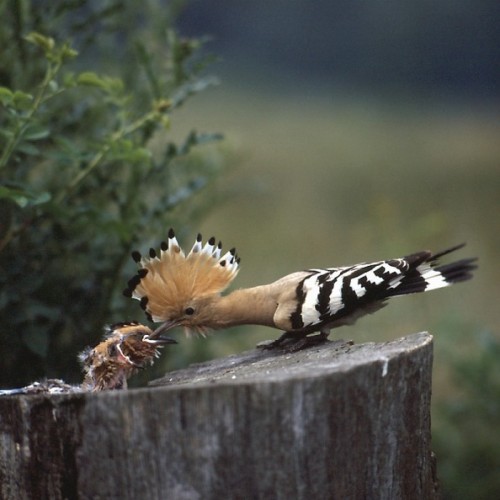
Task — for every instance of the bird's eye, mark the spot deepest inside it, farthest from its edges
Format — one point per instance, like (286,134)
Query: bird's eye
(112,350)
(189,311)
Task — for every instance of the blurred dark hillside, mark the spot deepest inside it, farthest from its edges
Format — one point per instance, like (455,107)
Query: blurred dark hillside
(444,45)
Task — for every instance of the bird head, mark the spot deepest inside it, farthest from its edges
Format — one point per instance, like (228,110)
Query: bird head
(178,289)
(126,348)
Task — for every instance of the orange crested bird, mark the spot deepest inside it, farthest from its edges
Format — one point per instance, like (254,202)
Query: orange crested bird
(126,348)
(185,290)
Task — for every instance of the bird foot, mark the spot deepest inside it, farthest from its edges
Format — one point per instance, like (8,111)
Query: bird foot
(291,342)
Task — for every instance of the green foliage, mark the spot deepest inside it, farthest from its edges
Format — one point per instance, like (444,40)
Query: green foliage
(465,434)
(87,167)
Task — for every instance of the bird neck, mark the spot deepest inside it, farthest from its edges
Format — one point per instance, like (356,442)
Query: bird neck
(246,306)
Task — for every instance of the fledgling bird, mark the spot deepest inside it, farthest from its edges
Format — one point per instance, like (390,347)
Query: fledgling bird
(126,348)
(185,290)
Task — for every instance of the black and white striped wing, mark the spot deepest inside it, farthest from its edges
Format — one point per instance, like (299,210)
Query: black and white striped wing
(335,296)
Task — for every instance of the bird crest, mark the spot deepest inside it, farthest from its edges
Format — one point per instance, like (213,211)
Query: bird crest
(167,282)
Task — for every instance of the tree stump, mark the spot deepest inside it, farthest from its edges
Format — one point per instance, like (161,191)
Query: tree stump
(335,421)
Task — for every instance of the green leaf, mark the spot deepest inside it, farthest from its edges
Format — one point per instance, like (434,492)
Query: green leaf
(44,42)
(23,197)
(35,132)
(67,52)
(53,86)
(127,150)
(69,80)
(139,155)
(7,134)
(22,100)
(6,96)
(91,79)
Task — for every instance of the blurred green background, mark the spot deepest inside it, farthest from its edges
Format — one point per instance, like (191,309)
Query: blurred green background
(355,132)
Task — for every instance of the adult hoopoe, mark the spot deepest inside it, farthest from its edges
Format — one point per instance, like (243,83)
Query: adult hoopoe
(126,348)
(185,290)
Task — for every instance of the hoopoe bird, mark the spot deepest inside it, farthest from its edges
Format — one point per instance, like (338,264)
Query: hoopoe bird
(126,348)
(186,290)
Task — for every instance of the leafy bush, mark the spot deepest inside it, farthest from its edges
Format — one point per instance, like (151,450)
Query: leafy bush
(87,167)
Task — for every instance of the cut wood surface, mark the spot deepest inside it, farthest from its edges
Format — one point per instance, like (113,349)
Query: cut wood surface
(332,421)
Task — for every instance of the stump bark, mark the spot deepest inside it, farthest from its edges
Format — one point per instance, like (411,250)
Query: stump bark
(335,421)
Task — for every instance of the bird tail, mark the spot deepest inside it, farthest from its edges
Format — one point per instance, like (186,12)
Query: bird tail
(426,274)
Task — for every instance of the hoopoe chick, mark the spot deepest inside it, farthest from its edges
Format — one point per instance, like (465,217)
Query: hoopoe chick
(185,290)
(126,348)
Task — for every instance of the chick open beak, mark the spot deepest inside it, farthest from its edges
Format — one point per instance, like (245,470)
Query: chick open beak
(158,340)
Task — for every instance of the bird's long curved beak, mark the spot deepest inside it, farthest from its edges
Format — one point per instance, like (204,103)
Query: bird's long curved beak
(164,327)
(164,340)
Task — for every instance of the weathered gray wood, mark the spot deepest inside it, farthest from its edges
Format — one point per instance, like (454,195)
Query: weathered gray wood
(333,421)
